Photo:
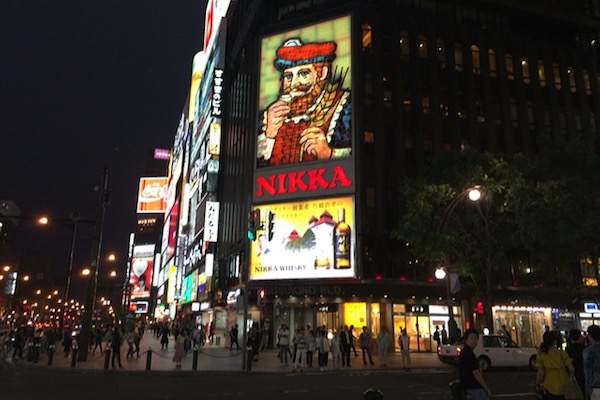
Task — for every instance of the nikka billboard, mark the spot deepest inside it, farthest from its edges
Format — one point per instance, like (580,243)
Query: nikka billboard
(304,177)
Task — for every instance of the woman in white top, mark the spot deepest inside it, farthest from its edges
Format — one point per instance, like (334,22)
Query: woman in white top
(383,346)
(336,353)
(323,347)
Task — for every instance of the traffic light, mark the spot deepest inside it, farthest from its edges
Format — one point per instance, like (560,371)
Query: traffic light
(261,297)
(253,223)
(270,224)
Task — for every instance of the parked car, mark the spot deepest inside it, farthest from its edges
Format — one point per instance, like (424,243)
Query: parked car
(492,351)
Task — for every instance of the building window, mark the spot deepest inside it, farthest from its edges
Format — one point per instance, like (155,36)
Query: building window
(541,73)
(588,273)
(458,57)
(441,54)
(556,72)
(369,136)
(422,46)
(510,72)
(571,75)
(404,46)
(492,60)
(367,37)
(525,69)
(586,82)
(475,58)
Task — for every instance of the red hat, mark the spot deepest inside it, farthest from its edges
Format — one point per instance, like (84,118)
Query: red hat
(293,53)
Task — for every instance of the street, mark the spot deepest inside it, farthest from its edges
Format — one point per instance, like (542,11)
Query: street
(25,382)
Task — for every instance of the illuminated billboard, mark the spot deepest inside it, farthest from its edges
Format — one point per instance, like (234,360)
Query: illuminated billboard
(152,195)
(304,100)
(142,263)
(305,240)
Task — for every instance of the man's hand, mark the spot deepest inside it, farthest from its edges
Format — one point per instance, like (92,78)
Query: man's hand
(314,142)
(276,114)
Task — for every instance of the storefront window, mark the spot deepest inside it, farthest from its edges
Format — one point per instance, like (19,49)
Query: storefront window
(526,325)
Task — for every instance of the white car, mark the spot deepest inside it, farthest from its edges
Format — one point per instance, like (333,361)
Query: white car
(492,351)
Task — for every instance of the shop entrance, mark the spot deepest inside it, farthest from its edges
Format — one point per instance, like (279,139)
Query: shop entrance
(328,316)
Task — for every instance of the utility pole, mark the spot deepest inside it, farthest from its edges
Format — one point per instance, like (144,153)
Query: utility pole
(90,297)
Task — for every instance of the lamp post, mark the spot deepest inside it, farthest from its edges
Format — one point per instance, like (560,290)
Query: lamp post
(448,271)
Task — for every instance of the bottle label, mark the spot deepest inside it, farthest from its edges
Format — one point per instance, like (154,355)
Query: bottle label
(342,250)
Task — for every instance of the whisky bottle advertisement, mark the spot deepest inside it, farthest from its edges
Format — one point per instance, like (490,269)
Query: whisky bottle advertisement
(341,242)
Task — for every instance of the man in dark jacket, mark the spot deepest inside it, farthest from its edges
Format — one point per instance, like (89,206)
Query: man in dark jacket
(115,345)
(575,351)
(468,366)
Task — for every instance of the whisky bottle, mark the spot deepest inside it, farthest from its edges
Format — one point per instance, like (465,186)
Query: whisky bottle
(341,242)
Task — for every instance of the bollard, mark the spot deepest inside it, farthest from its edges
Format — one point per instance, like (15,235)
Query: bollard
(50,354)
(74,357)
(195,360)
(249,358)
(106,357)
(149,359)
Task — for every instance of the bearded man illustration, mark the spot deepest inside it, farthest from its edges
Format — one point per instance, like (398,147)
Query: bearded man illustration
(311,118)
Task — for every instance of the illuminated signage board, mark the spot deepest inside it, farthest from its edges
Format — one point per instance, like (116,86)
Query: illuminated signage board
(142,264)
(211,221)
(162,154)
(305,239)
(217,92)
(198,65)
(305,111)
(152,195)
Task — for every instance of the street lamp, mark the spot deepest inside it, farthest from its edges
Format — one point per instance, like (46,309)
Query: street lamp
(448,271)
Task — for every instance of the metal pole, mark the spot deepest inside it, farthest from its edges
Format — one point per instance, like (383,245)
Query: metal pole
(90,298)
(69,273)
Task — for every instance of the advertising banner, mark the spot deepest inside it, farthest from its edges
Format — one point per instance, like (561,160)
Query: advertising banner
(142,264)
(305,111)
(152,195)
(305,240)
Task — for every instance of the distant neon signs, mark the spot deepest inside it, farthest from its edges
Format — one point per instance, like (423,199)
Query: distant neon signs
(152,195)
(217,90)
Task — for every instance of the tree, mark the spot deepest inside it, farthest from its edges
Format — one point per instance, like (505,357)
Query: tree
(441,224)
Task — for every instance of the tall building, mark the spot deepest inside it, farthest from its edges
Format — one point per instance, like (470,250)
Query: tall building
(324,107)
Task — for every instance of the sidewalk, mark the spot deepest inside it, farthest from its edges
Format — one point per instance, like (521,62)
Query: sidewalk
(219,358)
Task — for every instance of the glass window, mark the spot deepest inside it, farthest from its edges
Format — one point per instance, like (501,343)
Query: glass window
(404,46)
(525,69)
(556,72)
(541,73)
(367,38)
(510,72)
(492,60)
(422,46)
(475,58)
(491,341)
(458,57)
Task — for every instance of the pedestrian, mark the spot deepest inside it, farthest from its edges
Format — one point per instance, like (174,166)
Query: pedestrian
(130,345)
(212,331)
(264,335)
(404,343)
(310,347)
(383,346)
(323,347)
(233,333)
(503,331)
(115,345)
(336,351)
(283,342)
(468,368)
(98,336)
(137,338)
(179,349)
(18,344)
(352,340)
(67,341)
(575,350)
(164,338)
(345,346)
(591,363)
(365,344)
(300,344)
(444,335)
(437,337)
(551,364)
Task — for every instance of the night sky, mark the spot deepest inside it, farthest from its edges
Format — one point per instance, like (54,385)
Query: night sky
(84,84)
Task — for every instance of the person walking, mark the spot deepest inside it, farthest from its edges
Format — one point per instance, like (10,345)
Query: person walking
(179,349)
(283,342)
(365,344)
(345,346)
(310,347)
(137,339)
(468,368)
(130,341)
(300,344)
(383,346)
(551,365)
(575,350)
(591,363)
(115,345)
(352,340)
(437,337)
(233,334)
(98,336)
(404,342)
(322,348)
(164,338)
